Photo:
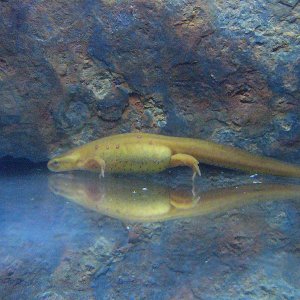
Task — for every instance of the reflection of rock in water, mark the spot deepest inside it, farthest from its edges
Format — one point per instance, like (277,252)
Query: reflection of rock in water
(54,249)
(140,200)
(83,265)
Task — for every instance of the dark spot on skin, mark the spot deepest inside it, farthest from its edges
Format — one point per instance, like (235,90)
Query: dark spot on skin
(117,146)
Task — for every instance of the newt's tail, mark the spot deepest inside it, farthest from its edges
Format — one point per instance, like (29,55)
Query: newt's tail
(234,158)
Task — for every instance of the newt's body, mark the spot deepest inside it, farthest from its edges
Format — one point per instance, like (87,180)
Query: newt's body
(151,153)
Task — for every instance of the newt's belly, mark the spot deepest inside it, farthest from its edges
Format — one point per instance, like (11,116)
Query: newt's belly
(137,158)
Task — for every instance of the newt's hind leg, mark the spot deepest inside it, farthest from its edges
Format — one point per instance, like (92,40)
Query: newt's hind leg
(185,160)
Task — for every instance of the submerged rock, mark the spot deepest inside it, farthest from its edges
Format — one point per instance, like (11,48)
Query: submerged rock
(71,72)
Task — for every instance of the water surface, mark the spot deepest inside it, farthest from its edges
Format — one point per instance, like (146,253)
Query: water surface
(73,236)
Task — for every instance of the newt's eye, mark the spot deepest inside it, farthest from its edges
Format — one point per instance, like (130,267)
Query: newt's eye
(55,163)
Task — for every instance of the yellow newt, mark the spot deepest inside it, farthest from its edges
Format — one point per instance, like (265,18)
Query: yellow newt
(151,153)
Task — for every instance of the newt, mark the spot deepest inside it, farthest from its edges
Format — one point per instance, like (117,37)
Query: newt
(152,153)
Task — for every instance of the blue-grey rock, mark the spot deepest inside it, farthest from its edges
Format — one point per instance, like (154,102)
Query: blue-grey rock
(112,106)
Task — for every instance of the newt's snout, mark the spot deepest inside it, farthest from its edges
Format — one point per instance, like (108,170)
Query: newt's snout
(63,163)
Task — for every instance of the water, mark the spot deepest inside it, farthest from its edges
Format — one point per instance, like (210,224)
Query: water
(74,236)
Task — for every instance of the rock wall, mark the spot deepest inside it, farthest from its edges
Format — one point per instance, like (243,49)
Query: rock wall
(74,71)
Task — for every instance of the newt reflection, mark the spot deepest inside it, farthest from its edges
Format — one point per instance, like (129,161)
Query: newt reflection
(141,201)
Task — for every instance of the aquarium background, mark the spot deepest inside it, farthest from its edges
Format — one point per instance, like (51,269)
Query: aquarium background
(75,71)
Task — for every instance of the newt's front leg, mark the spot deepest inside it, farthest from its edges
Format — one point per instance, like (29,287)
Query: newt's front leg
(93,164)
(181,159)
(183,200)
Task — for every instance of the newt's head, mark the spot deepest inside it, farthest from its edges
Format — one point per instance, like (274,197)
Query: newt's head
(64,162)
